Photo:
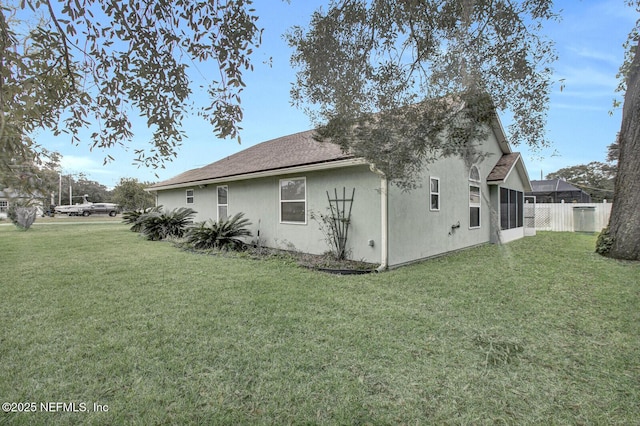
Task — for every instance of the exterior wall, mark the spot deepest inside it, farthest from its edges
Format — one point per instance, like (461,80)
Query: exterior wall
(259,200)
(416,232)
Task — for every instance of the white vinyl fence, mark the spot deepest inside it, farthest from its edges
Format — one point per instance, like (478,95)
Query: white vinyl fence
(570,217)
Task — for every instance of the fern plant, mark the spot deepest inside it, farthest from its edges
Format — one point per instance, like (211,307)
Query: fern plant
(222,235)
(158,225)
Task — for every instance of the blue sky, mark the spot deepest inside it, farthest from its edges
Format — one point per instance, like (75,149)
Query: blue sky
(588,39)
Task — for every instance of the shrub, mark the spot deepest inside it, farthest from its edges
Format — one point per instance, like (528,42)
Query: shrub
(22,214)
(604,242)
(157,225)
(132,217)
(222,235)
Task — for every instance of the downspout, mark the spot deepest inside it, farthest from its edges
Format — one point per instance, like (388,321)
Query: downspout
(384,219)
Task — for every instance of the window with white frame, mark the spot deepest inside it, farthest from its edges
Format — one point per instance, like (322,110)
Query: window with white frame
(4,206)
(475,199)
(293,200)
(474,206)
(223,202)
(190,196)
(434,194)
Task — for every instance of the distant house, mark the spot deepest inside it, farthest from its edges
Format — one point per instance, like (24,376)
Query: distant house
(8,196)
(557,191)
(278,184)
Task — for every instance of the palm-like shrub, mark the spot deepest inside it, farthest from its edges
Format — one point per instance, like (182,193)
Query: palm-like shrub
(222,235)
(132,217)
(157,225)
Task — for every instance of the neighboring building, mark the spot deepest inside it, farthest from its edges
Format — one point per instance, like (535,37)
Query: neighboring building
(557,191)
(7,197)
(278,184)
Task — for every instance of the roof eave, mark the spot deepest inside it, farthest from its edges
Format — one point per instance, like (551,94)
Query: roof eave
(519,163)
(500,134)
(305,168)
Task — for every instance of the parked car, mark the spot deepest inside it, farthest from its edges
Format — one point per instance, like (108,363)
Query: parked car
(104,208)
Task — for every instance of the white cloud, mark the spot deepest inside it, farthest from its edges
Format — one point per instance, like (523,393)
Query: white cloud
(589,53)
(86,165)
(587,77)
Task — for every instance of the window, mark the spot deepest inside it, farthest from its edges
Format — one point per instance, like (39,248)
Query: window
(475,201)
(474,206)
(223,202)
(474,174)
(293,200)
(434,194)
(4,205)
(190,196)
(511,208)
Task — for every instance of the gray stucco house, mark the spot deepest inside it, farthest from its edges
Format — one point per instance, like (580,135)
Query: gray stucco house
(278,184)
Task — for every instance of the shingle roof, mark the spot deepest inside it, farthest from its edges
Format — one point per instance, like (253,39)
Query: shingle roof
(298,149)
(503,167)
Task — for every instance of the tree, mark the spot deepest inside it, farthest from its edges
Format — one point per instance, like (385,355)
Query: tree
(81,186)
(624,223)
(35,176)
(129,194)
(402,83)
(65,65)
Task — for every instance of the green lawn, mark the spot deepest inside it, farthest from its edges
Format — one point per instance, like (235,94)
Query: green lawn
(541,330)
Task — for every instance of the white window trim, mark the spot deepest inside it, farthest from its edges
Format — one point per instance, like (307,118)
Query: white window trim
(474,205)
(192,196)
(218,205)
(292,201)
(431,193)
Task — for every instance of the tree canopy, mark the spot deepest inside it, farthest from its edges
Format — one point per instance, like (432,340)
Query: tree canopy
(129,194)
(363,63)
(67,64)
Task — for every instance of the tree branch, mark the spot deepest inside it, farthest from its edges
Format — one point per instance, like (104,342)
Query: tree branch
(63,38)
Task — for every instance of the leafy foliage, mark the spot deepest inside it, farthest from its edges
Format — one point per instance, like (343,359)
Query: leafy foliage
(129,194)
(22,214)
(132,217)
(222,235)
(157,225)
(604,242)
(66,65)
(362,64)
(81,186)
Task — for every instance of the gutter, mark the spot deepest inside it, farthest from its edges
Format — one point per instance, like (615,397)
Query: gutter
(384,219)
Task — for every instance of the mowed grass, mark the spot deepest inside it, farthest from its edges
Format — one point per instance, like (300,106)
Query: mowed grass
(541,330)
